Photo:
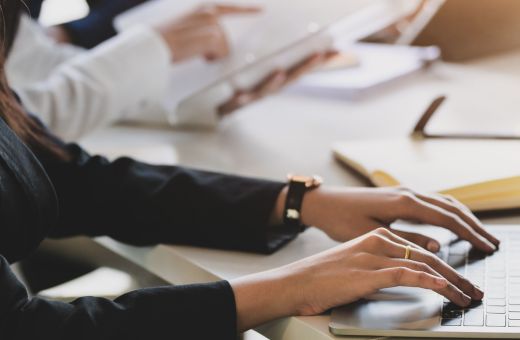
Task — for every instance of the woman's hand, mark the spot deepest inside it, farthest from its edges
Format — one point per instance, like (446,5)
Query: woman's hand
(199,33)
(59,34)
(346,274)
(274,82)
(346,213)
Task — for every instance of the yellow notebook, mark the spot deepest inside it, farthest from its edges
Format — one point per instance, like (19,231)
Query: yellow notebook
(483,174)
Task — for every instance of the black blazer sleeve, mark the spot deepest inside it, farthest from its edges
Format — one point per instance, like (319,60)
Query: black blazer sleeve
(131,201)
(141,204)
(156,313)
(34,7)
(98,26)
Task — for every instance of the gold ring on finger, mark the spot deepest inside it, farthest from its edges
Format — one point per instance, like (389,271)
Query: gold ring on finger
(407,252)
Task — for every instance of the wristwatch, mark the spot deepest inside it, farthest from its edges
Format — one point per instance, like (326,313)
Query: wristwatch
(298,186)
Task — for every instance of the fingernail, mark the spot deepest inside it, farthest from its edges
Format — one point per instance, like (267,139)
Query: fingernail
(479,292)
(433,246)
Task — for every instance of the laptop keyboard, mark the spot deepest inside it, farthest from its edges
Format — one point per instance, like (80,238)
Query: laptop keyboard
(498,275)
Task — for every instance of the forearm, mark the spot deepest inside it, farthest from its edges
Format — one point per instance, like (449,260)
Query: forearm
(101,87)
(310,210)
(267,296)
(141,314)
(321,207)
(58,34)
(34,56)
(143,204)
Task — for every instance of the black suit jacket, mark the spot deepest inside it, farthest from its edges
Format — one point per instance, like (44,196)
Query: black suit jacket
(97,26)
(42,196)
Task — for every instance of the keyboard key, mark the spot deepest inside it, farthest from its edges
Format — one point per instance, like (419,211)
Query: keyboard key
(514,289)
(496,275)
(476,262)
(497,259)
(475,276)
(513,301)
(476,255)
(514,315)
(514,323)
(496,287)
(496,283)
(496,309)
(497,302)
(479,284)
(456,261)
(451,314)
(496,290)
(514,308)
(477,268)
(495,320)
(474,317)
(460,248)
(452,306)
(476,305)
(443,253)
(451,322)
(496,294)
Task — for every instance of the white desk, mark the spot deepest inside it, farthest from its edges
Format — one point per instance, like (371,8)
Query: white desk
(282,134)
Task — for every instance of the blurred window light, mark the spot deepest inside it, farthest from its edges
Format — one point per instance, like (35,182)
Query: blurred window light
(55,12)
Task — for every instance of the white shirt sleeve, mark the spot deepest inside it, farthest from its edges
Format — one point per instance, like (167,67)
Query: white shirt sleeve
(75,91)
(34,55)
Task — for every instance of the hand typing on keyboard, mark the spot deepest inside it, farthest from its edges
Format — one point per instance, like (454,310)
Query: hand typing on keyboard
(346,213)
(498,275)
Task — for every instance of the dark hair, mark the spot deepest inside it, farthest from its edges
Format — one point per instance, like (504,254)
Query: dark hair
(26,128)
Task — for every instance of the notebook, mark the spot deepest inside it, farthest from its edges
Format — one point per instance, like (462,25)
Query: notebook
(483,174)
(283,34)
(378,66)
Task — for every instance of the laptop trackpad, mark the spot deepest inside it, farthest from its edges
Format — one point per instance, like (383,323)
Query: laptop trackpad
(393,308)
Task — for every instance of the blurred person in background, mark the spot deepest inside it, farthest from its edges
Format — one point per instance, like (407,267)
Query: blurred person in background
(74,90)
(91,30)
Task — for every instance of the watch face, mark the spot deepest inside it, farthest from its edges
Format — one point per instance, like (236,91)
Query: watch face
(299,178)
(316,181)
(310,182)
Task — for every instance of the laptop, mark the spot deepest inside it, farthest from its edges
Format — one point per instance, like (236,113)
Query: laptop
(418,313)
(466,29)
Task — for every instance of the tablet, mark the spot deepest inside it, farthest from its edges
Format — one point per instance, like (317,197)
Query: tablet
(284,33)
